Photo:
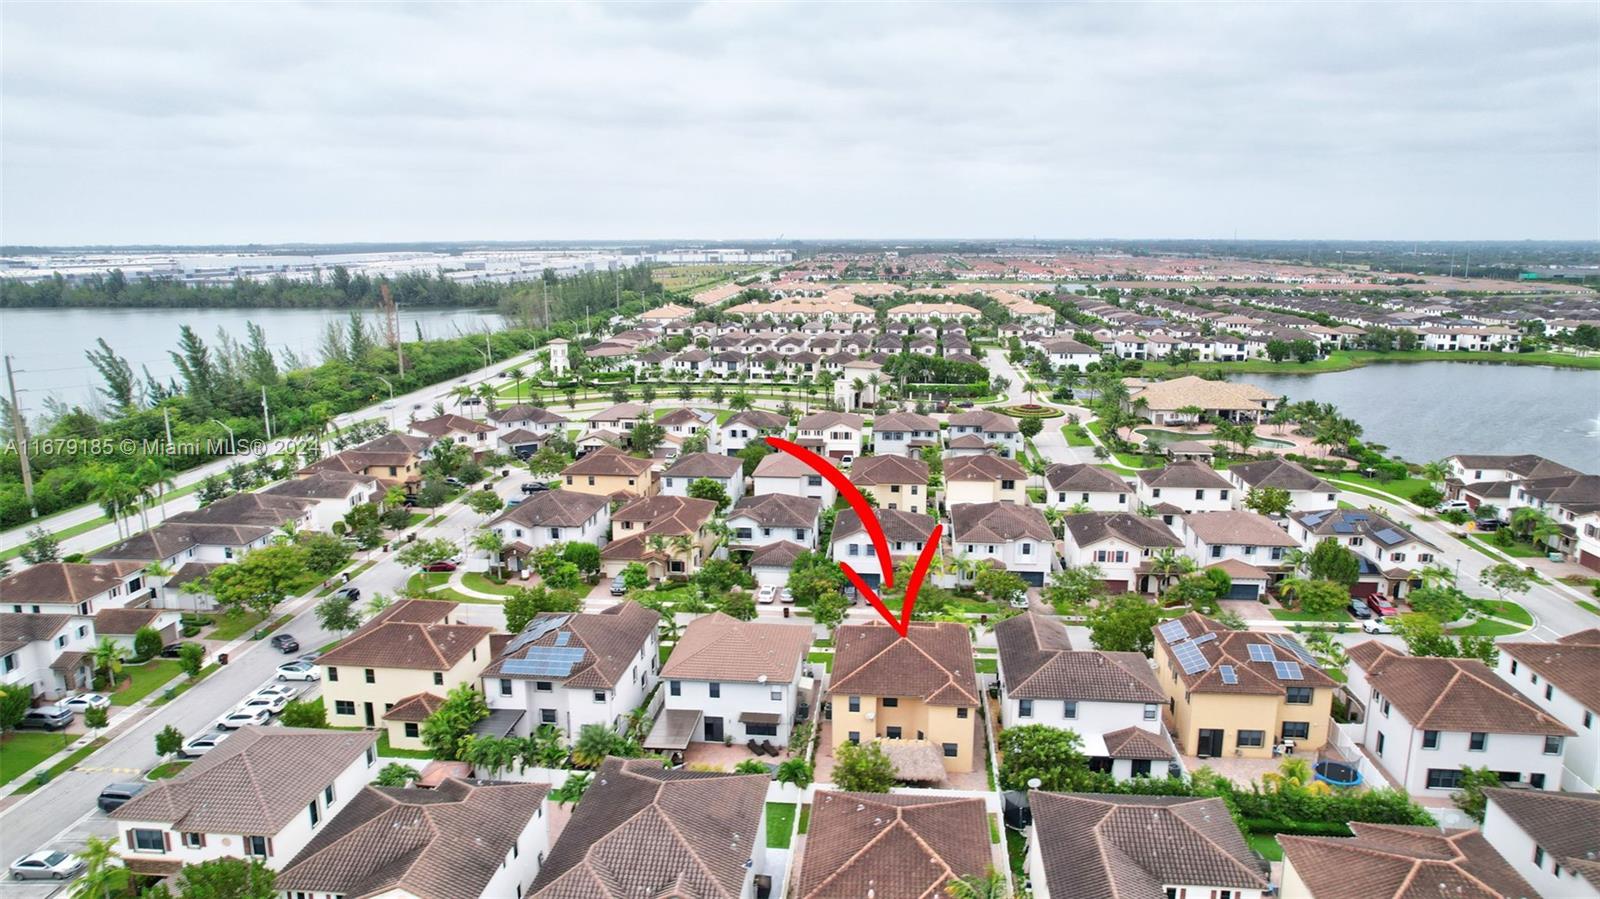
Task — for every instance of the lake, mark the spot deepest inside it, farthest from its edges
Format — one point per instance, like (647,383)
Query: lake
(1429,410)
(48,345)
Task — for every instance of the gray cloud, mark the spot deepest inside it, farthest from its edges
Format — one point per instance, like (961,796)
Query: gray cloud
(280,122)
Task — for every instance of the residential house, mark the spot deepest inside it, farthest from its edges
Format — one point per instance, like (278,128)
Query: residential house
(892,845)
(683,423)
(649,831)
(608,472)
(1392,861)
(904,434)
(457,429)
(977,479)
(332,494)
(758,521)
(995,430)
(173,543)
(474,839)
(896,482)
(1391,556)
(52,654)
(1307,492)
(783,473)
(533,419)
(68,588)
(1426,718)
(1086,488)
(1015,537)
(409,648)
(1558,677)
(394,459)
(1110,699)
(571,670)
(1213,537)
(122,626)
(1552,840)
(1188,486)
(1148,847)
(832,435)
(1479,478)
(666,534)
(905,532)
(1120,544)
(620,418)
(1065,353)
(1173,402)
(770,564)
(686,469)
(731,680)
(1240,693)
(263,793)
(1573,503)
(743,428)
(919,691)
(552,517)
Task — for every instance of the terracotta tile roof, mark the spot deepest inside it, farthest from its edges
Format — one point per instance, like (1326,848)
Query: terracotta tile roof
(721,648)
(123,621)
(1456,695)
(1388,860)
(1570,663)
(644,831)
(64,582)
(968,441)
(669,515)
(253,783)
(869,471)
(777,555)
(1356,522)
(609,461)
(1237,529)
(822,421)
(898,524)
(393,642)
(1185,475)
(778,510)
(985,420)
(1564,825)
(619,413)
(755,418)
(997,523)
(781,465)
(18,630)
(1039,663)
(524,412)
(1136,743)
(895,846)
(610,639)
(1196,391)
(322,485)
(933,662)
(1089,528)
(1084,478)
(172,537)
(1240,570)
(1280,473)
(903,421)
(983,468)
(416,611)
(1524,465)
(416,707)
(1095,845)
(1233,648)
(449,424)
(560,508)
(704,465)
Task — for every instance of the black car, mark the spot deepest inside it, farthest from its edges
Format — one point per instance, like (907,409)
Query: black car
(350,593)
(1358,609)
(172,650)
(535,487)
(1487,524)
(285,643)
(113,796)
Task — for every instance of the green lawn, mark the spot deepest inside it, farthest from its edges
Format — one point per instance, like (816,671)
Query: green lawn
(987,666)
(825,659)
(1589,606)
(188,682)
(1506,609)
(62,766)
(21,751)
(386,750)
(233,625)
(1486,628)
(1266,844)
(1404,488)
(805,818)
(479,581)
(145,679)
(780,824)
(1076,435)
(170,769)
(1520,549)
(1017,853)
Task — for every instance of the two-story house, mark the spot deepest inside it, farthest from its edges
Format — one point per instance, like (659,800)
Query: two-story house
(731,680)
(551,517)
(978,479)
(895,482)
(1240,693)
(1110,699)
(682,423)
(905,532)
(691,467)
(51,654)
(916,695)
(569,670)
(665,534)
(1087,488)
(904,434)
(332,494)
(394,459)
(1015,536)
(1559,678)
(522,429)
(1214,537)
(997,431)
(1070,353)
(1393,861)
(1189,486)
(783,473)
(264,793)
(1120,544)
(743,428)
(410,648)
(1552,840)
(832,435)
(1307,492)
(1391,556)
(1426,718)
(757,521)
(609,471)
(930,841)
(468,432)
(620,418)
(68,588)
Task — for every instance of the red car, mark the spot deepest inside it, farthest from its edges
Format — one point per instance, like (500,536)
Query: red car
(441,566)
(1381,605)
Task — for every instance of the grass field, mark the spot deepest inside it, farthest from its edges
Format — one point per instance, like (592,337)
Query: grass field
(1405,488)
(780,824)
(386,750)
(689,277)
(1266,844)
(477,580)
(1520,549)
(21,751)
(169,769)
(234,625)
(1506,609)
(1076,435)
(145,679)
(805,818)
(1486,628)
(62,766)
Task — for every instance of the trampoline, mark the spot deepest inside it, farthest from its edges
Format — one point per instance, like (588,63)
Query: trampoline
(1337,774)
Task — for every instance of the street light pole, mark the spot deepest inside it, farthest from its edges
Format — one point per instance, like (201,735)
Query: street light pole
(233,445)
(19,427)
(389,385)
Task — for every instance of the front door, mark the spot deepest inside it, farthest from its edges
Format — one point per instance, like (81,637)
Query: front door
(371,720)
(713,730)
(1209,744)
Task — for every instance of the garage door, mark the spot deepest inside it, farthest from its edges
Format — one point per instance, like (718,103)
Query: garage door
(1589,560)
(1115,587)
(1364,589)
(1244,591)
(1032,578)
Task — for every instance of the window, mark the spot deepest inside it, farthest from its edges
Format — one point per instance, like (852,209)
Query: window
(1444,778)
(1513,666)
(316,813)
(149,841)
(256,846)
(855,703)
(814,480)
(854,737)
(599,696)
(961,712)
(542,686)
(1216,552)
(1006,484)
(761,730)
(438,679)
(675,687)
(1024,708)
(1478,741)
(371,676)
(194,841)
(1386,708)
(894,733)
(1588,719)
(547,716)
(951,750)
(890,702)
(776,695)
(1296,730)
(1538,856)
(327,795)
(372,755)
(1199,494)
(1150,711)
(1430,739)
(505,686)
(716,690)
(1382,739)
(1027,549)
(411,730)
(1251,739)
(1297,695)
(853,550)
(1548,691)
(1070,708)
(1552,745)
(344,707)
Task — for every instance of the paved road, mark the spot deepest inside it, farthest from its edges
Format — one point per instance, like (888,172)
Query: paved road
(1050,443)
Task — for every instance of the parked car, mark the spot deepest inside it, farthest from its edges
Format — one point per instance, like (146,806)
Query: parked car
(285,643)
(299,669)
(1486,525)
(1358,609)
(47,864)
(1376,626)
(172,650)
(1381,605)
(114,795)
(311,656)
(619,587)
(1020,601)
(46,717)
(203,744)
(84,701)
(513,502)
(441,566)
(350,593)
(767,594)
(1453,505)
(786,596)
(271,702)
(455,481)
(281,690)
(242,716)
(534,487)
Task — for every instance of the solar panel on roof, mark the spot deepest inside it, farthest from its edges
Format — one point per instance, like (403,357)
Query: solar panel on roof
(1287,671)
(1340,527)
(536,629)
(1292,645)
(1260,652)
(545,661)
(563,637)
(1389,535)
(1315,518)
(1204,638)
(1190,658)
(1229,676)
(1173,631)
(1357,516)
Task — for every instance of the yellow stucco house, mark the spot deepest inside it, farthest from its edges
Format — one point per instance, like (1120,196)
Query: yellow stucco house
(917,695)
(608,471)
(668,535)
(1240,693)
(896,482)
(974,480)
(403,662)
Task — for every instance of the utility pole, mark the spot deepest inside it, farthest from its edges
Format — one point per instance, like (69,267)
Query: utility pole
(19,427)
(266,414)
(488,349)
(166,419)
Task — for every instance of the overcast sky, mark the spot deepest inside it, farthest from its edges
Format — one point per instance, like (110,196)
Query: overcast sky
(234,122)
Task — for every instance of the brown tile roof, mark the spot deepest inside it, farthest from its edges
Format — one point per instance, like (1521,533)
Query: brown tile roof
(1084,478)
(777,555)
(933,662)
(1455,695)
(172,537)
(609,460)
(123,621)
(821,421)
(1237,529)
(416,611)
(450,423)
(1091,527)
(64,582)
(1564,825)
(721,648)
(1039,663)
(869,471)
(525,412)
(1570,663)
(997,523)
(321,485)
(1185,475)
(1525,465)
(1233,648)
(780,510)
(416,707)
(668,515)
(895,846)
(903,421)
(704,465)
(1136,743)
(898,524)
(253,783)
(781,465)
(644,831)
(986,420)
(18,630)
(610,639)
(620,412)
(561,508)
(442,843)
(1389,860)
(1280,473)
(760,421)
(982,468)
(392,642)
(1095,845)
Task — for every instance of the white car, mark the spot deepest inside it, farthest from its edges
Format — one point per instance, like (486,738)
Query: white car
(767,594)
(283,690)
(272,703)
(1019,602)
(241,717)
(203,744)
(299,669)
(46,864)
(85,701)
(1377,626)
(787,595)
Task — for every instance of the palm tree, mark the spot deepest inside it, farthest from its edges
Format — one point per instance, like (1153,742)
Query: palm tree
(1167,564)
(989,885)
(493,545)
(101,878)
(1296,559)
(1436,471)
(1295,773)
(461,393)
(154,479)
(545,749)
(108,655)
(517,377)
(113,490)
